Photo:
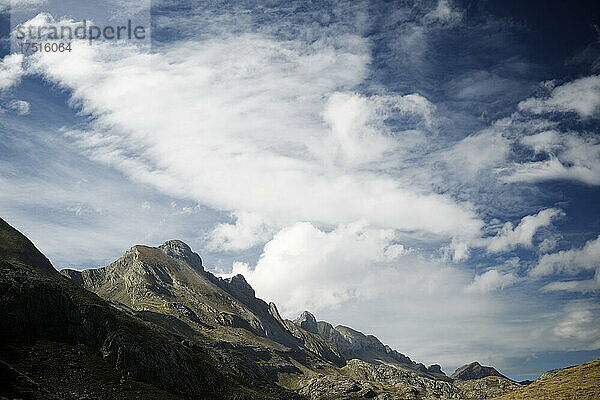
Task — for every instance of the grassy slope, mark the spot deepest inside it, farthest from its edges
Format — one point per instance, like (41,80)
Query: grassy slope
(581,383)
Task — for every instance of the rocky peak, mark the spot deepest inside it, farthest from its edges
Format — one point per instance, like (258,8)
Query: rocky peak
(359,342)
(435,369)
(181,251)
(474,370)
(238,287)
(308,322)
(275,313)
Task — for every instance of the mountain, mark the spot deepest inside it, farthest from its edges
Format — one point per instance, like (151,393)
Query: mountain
(581,382)
(59,341)
(353,344)
(155,323)
(474,370)
(170,280)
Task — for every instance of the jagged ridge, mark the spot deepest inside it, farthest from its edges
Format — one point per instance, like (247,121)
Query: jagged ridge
(218,336)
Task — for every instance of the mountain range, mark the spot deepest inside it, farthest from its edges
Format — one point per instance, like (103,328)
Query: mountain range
(156,324)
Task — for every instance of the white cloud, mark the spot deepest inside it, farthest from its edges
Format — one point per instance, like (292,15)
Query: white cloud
(417,105)
(248,231)
(305,267)
(358,133)
(580,324)
(490,281)
(21,107)
(509,236)
(219,114)
(355,130)
(11,70)
(583,286)
(394,251)
(477,153)
(548,244)
(554,169)
(569,261)
(571,157)
(546,141)
(443,13)
(581,96)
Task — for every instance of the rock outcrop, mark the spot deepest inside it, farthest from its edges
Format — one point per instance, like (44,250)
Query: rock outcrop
(474,370)
(308,322)
(181,251)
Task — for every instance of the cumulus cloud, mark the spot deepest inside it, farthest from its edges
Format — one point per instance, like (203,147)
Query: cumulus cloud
(11,70)
(443,312)
(569,261)
(510,236)
(581,96)
(316,269)
(491,280)
(248,231)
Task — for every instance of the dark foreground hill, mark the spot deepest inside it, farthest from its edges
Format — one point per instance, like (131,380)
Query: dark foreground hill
(156,324)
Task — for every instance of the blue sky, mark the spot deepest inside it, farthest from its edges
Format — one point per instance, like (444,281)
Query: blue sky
(427,171)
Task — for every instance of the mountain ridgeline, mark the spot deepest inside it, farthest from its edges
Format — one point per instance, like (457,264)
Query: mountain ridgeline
(155,323)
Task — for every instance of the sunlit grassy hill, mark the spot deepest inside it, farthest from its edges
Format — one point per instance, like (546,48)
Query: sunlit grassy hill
(575,383)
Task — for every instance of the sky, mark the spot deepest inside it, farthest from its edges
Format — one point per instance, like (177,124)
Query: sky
(426,171)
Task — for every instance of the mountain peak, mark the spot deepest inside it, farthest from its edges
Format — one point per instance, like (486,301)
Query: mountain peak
(308,322)
(474,370)
(238,287)
(181,251)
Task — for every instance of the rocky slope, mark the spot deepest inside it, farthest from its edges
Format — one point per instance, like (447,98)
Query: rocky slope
(353,344)
(155,323)
(58,340)
(475,370)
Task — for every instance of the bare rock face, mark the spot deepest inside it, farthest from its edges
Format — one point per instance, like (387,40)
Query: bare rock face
(238,288)
(181,251)
(308,322)
(275,313)
(435,369)
(354,344)
(474,370)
